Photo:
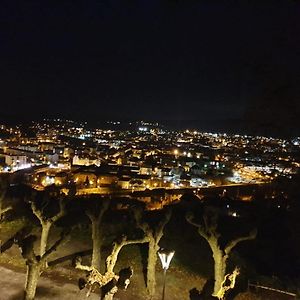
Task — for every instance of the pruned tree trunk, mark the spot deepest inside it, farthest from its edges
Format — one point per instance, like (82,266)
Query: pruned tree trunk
(220,270)
(44,237)
(108,297)
(95,213)
(32,277)
(97,243)
(151,266)
(154,235)
(3,211)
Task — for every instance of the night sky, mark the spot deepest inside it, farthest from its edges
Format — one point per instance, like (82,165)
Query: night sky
(164,60)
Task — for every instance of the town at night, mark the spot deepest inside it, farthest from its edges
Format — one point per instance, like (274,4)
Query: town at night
(150,150)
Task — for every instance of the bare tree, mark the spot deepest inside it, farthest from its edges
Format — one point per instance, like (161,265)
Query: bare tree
(46,220)
(36,264)
(95,212)
(152,224)
(209,231)
(109,282)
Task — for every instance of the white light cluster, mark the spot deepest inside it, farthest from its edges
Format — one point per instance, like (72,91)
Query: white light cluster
(165,258)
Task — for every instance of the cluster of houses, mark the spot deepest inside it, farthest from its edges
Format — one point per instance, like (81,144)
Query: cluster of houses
(107,168)
(128,160)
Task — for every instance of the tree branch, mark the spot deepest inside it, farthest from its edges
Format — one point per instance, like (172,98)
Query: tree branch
(211,222)
(201,229)
(69,257)
(138,215)
(26,246)
(63,238)
(80,266)
(233,243)
(94,276)
(5,210)
(104,208)
(90,215)
(96,215)
(111,260)
(231,284)
(62,210)
(160,227)
(109,277)
(16,239)
(36,211)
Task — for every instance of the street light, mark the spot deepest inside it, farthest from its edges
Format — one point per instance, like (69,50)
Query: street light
(165,258)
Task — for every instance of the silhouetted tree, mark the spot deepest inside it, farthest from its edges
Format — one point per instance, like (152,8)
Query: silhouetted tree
(36,264)
(109,282)
(152,223)
(95,209)
(209,231)
(42,208)
(45,218)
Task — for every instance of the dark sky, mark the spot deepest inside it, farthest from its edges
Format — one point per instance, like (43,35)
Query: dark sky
(146,59)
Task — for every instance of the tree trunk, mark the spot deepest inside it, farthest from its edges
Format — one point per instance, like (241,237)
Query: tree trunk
(44,237)
(108,296)
(97,243)
(220,270)
(152,259)
(32,277)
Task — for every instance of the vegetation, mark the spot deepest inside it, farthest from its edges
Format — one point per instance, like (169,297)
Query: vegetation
(152,224)
(36,264)
(120,229)
(209,231)
(109,282)
(95,210)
